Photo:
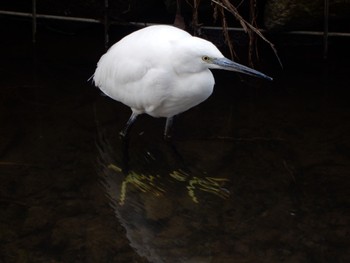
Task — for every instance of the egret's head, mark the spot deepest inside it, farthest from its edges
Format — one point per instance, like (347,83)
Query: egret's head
(207,55)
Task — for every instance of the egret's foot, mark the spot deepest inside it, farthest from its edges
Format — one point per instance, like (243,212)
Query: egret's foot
(176,156)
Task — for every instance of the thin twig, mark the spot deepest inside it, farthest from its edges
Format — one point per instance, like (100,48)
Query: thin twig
(247,27)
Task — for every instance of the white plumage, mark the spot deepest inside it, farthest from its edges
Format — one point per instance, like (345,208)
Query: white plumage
(161,71)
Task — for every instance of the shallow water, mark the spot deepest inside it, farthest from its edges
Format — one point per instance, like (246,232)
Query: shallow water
(257,173)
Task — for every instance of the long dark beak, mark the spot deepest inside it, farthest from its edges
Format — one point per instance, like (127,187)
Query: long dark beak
(226,64)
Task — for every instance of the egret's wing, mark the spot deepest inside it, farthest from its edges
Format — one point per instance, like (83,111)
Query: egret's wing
(117,70)
(131,79)
(127,62)
(137,70)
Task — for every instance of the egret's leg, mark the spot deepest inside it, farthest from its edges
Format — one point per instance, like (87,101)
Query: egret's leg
(168,125)
(128,125)
(125,143)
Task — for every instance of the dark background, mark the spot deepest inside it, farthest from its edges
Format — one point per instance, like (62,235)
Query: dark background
(284,148)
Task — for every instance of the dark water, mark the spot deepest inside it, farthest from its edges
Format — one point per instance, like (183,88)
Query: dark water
(258,173)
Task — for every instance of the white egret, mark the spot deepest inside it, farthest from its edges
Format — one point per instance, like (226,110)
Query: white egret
(162,71)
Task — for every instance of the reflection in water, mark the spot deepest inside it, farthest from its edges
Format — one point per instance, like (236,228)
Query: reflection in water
(164,210)
(206,184)
(142,182)
(149,183)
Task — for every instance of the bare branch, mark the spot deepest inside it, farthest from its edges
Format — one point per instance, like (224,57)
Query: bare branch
(247,27)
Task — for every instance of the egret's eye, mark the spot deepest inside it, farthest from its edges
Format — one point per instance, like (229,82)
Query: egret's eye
(206,58)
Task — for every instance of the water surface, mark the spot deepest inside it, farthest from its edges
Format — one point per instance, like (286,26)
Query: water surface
(257,173)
